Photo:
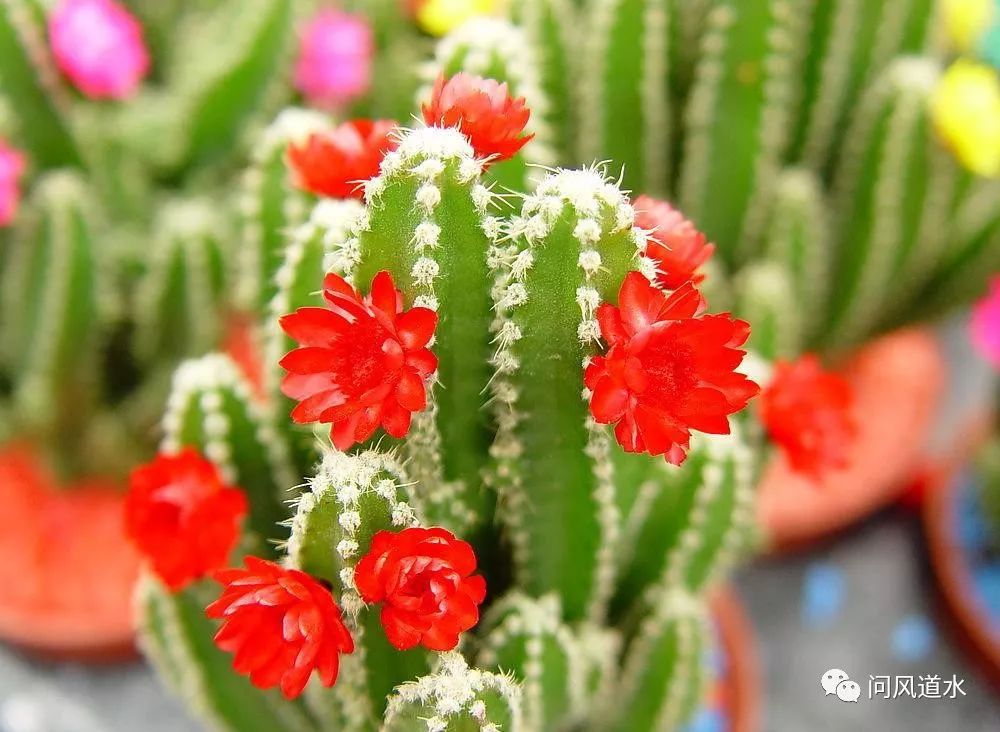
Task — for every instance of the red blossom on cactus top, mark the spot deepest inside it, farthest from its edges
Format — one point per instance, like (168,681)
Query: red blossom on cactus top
(280,624)
(182,517)
(808,412)
(425,582)
(362,362)
(675,245)
(668,370)
(336,164)
(483,111)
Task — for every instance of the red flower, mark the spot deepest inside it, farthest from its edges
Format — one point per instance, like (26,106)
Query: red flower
(182,517)
(676,246)
(335,164)
(666,370)
(362,362)
(808,412)
(280,624)
(424,578)
(483,111)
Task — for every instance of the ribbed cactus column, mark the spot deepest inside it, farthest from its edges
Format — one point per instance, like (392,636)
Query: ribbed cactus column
(798,237)
(664,677)
(28,75)
(456,697)
(211,408)
(690,528)
(53,302)
(429,224)
(765,296)
(528,638)
(350,499)
(311,250)
(575,243)
(744,73)
(551,27)
(882,193)
(184,285)
(176,638)
(625,101)
(496,49)
(270,206)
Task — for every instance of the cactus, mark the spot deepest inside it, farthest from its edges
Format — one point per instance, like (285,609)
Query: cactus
(795,134)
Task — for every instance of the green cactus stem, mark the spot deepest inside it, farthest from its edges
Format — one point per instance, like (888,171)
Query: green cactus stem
(744,73)
(351,498)
(456,697)
(575,242)
(270,205)
(625,101)
(765,296)
(212,409)
(181,295)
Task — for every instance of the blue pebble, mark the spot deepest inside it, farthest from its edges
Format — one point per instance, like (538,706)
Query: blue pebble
(913,638)
(708,720)
(823,592)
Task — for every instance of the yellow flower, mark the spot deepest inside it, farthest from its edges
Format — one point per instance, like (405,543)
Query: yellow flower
(440,17)
(965,108)
(966,20)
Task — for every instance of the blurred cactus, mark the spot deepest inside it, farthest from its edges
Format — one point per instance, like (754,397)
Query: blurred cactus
(797,135)
(133,246)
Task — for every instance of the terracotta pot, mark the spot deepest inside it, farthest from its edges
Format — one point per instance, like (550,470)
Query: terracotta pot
(968,619)
(898,381)
(738,691)
(68,582)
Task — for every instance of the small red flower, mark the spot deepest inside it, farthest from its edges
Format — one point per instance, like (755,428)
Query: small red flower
(808,412)
(362,362)
(667,370)
(676,246)
(182,517)
(483,111)
(280,624)
(335,164)
(424,579)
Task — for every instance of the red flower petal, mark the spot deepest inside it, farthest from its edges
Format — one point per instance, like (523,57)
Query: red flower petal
(336,164)
(281,625)
(425,579)
(182,517)
(668,370)
(483,111)
(809,413)
(675,245)
(362,362)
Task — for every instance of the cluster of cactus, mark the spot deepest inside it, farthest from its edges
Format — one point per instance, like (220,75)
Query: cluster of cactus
(139,237)
(798,135)
(598,561)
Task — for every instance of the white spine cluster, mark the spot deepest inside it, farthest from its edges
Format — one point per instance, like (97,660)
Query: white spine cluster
(457,691)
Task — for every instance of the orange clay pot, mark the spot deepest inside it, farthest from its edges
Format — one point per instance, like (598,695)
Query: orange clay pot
(67,581)
(968,620)
(898,381)
(740,689)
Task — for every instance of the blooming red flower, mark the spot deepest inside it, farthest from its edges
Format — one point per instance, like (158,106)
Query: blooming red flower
(676,246)
(667,370)
(808,412)
(280,624)
(182,517)
(362,362)
(483,111)
(335,164)
(424,579)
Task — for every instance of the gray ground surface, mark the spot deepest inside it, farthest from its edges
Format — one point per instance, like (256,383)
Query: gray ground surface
(884,580)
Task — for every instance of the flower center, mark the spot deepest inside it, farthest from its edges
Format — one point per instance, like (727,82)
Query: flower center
(367,358)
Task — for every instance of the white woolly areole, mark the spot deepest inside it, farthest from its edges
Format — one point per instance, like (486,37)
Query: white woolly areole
(293,125)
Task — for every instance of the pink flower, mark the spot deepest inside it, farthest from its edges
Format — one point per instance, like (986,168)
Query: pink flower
(98,45)
(985,324)
(335,55)
(11,169)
